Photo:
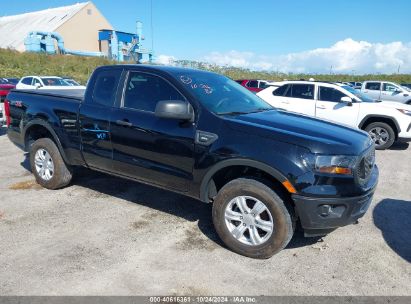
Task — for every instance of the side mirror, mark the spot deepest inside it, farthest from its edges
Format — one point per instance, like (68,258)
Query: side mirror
(37,85)
(347,100)
(174,109)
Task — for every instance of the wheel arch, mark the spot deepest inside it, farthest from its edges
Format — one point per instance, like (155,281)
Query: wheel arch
(39,128)
(380,118)
(211,182)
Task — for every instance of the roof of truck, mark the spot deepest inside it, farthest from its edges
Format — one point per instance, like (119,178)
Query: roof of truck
(162,68)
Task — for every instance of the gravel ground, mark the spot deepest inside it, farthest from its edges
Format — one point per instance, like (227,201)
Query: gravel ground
(107,236)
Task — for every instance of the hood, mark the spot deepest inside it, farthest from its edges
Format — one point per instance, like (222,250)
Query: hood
(395,105)
(319,136)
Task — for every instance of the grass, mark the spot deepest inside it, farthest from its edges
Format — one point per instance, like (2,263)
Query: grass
(15,64)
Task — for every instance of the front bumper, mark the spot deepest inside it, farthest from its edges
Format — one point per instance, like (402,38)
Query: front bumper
(405,133)
(320,216)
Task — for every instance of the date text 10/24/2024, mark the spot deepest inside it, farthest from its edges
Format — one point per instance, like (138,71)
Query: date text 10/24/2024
(202,299)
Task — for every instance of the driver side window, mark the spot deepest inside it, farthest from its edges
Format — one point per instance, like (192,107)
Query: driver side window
(143,91)
(388,87)
(35,81)
(330,94)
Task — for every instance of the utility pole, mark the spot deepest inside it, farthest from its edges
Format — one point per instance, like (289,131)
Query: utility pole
(151,25)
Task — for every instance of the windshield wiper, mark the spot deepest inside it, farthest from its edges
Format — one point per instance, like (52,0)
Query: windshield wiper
(233,113)
(262,110)
(240,113)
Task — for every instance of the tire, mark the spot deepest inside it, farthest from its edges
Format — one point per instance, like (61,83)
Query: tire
(373,129)
(226,202)
(59,174)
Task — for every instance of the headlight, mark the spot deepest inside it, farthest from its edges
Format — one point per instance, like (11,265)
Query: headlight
(331,164)
(406,112)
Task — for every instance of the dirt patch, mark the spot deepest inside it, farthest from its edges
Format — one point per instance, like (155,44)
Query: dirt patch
(194,239)
(26,185)
(79,257)
(189,291)
(139,224)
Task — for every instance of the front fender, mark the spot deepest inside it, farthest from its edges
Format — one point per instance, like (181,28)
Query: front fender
(205,183)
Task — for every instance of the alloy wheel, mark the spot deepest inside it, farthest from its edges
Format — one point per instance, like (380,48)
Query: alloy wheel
(379,135)
(249,220)
(44,164)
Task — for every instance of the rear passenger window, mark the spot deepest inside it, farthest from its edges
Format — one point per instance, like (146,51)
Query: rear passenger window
(143,91)
(304,91)
(330,94)
(281,90)
(105,87)
(27,80)
(375,86)
(252,84)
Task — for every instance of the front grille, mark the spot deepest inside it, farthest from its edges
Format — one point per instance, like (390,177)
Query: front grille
(364,167)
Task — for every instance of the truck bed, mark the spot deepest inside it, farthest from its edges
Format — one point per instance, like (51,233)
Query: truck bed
(77,94)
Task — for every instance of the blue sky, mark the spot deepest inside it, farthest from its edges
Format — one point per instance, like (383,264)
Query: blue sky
(245,32)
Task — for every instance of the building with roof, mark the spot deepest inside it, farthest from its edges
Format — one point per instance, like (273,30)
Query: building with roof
(79,24)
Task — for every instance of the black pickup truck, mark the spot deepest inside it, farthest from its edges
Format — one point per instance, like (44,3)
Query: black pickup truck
(202,135)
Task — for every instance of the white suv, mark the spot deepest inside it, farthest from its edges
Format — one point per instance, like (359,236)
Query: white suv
(386,122)
(45,82)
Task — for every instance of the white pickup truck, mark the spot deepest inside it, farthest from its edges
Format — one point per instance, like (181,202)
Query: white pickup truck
(386,122)
(386,91)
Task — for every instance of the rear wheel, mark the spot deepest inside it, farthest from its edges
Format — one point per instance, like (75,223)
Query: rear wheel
(382,134)
(48,166)
(252,219)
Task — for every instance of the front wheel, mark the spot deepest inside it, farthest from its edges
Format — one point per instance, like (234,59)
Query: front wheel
(252,219)
(48,166)
(382,134)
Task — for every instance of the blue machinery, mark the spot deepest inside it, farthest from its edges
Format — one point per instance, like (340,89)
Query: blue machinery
(115,45)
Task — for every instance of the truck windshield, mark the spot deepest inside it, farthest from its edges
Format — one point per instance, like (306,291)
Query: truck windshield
(357,93)
(222,95)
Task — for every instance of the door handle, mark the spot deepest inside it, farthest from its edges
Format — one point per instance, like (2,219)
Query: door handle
(124,123)
(321,107)
(285,102)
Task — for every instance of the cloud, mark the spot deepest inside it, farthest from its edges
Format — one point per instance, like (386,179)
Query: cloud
(239,59)
(165,59)
(346,56)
